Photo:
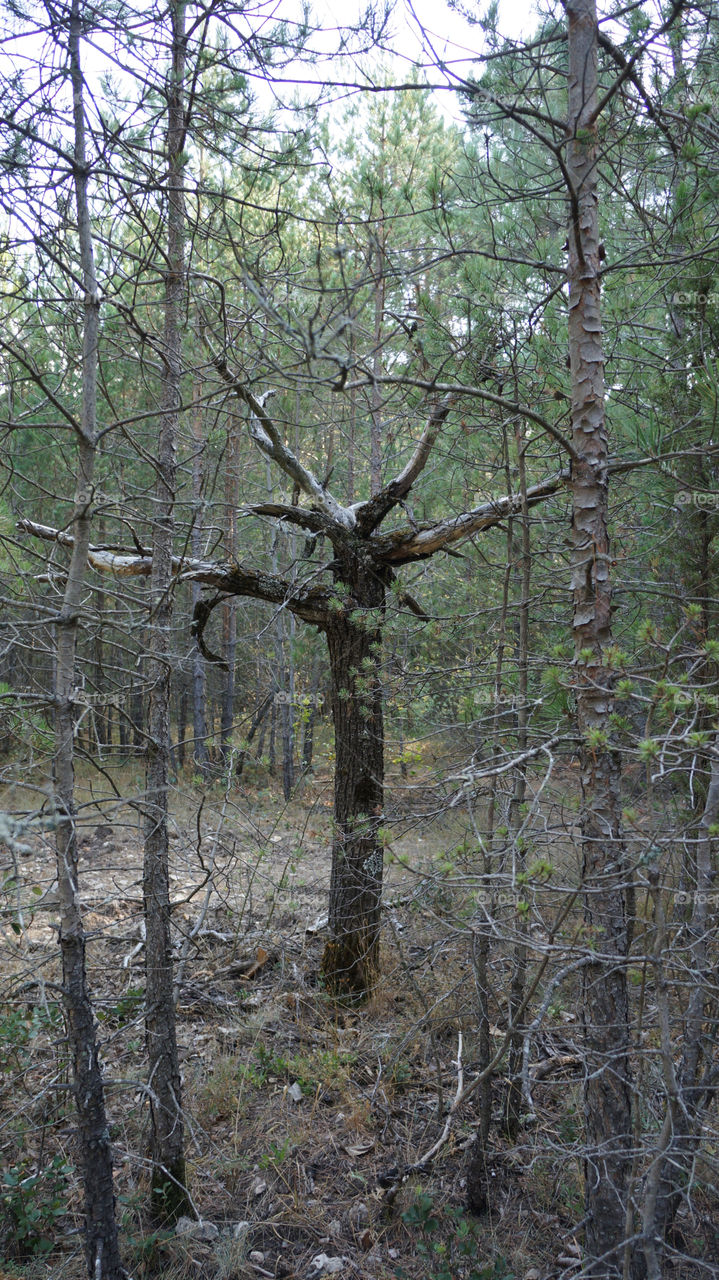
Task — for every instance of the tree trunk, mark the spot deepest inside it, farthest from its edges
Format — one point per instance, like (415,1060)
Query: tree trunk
(102,712)
(607,1092)
(522,567)
(286,677)
(479,1182)
(262,723)
(376,411)
(200,753)
(101,1246)
(181,719)
(308,735)
(693,1086)
(354,637)
(169,1197)
(199,682)
(137,704)
(258,719)
(271,752)
(229,610)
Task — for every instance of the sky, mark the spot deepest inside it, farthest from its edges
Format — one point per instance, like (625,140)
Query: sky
(452,37)
(426,31)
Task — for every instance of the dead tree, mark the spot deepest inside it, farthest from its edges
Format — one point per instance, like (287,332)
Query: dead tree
(348,606)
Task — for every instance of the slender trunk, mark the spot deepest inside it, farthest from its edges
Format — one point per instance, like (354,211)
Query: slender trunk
(285,671)
(101,1246)
(181,720)
(519,790)
(265,716)
(282,703)
(199,682)
(478,1181)
(102,713)
(376,424)
(137,705)
(288,736)
(169,1197)
(229,610)
(379,301)
(351,958)
(607,1091)
(688,1096)
(308,737)
(352,424)
(121,704)
(693,1087)
(400,668)
(271,753)
(684,354)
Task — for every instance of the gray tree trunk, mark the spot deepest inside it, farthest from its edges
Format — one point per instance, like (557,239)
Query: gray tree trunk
(169,1197)
(522,568)
(229,610)
(101,1246)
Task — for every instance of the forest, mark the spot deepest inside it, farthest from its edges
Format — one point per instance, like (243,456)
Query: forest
(359,641)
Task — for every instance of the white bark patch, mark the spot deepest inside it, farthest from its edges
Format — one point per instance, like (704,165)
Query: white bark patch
(583,615)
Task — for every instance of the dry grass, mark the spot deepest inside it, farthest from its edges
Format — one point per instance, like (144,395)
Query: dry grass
(308,1176)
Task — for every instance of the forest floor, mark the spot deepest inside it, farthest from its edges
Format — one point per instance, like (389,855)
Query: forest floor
(302,1116)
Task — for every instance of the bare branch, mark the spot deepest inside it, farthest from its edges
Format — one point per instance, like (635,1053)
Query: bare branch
(268,439)
(313,521)
(39,381)
(309,603)
(373,512)
(403,545)
(477,393)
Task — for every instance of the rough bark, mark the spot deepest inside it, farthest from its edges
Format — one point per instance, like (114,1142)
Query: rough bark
(101,1245)
(169,1197)
(607,1095)
(354,638)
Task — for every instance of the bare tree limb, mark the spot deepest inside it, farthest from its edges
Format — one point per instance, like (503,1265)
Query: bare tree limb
(268,439)
(403,545)
(309,603)
(456,389)
(372,513)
